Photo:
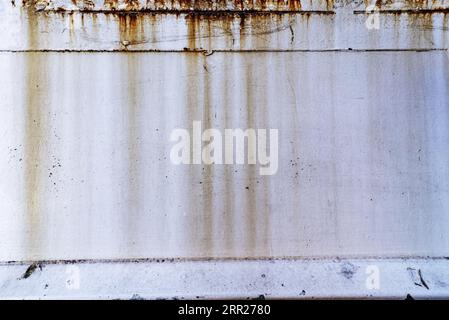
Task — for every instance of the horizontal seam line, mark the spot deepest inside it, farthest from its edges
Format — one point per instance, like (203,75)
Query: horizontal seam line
(202,51)
(224,259)
(406,11)
(196,12)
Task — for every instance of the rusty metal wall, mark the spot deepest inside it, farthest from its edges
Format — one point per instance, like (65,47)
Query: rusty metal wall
(89,97)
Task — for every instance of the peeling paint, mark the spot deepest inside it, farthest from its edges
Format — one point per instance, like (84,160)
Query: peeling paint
(228,31)
(180,5)
(408,5)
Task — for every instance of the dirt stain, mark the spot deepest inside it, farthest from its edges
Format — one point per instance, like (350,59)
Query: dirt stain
(35,84)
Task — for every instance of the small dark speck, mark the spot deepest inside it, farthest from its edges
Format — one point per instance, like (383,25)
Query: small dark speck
(136,297)
(247,188)
(263,275)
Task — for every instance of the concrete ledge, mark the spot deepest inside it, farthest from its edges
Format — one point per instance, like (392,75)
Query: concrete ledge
(394,278)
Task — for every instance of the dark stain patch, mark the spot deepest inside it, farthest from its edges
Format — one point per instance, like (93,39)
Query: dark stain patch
(31,269)
(409,297)
(137,297)
(348,270)
(292,39)
(417,278)
(422,280)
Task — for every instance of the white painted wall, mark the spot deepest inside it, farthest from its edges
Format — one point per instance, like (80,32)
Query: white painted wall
(88,102)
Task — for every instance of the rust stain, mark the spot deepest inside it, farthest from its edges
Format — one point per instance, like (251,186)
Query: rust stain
(192,22)
(225,5)
(229,205)
(208,170)
(131,30)
(132,33)
(172,5)
(192,216)
(111,5)
(265,217)
(134,152)
(34,132)
(84,4)
(251,218)
(131,5)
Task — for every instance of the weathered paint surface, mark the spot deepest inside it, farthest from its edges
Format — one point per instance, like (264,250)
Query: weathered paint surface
(244,279)
(406,5)
(363,164)
(341,29)
(88,108)
(181,5)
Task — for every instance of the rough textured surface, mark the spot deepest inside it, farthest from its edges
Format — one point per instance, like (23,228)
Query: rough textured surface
(147,31)
(181,5)
(86,141)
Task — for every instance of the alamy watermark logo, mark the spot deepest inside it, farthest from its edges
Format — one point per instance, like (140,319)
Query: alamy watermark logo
(73,277)
(373,20)
(213,146)
(372,277)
